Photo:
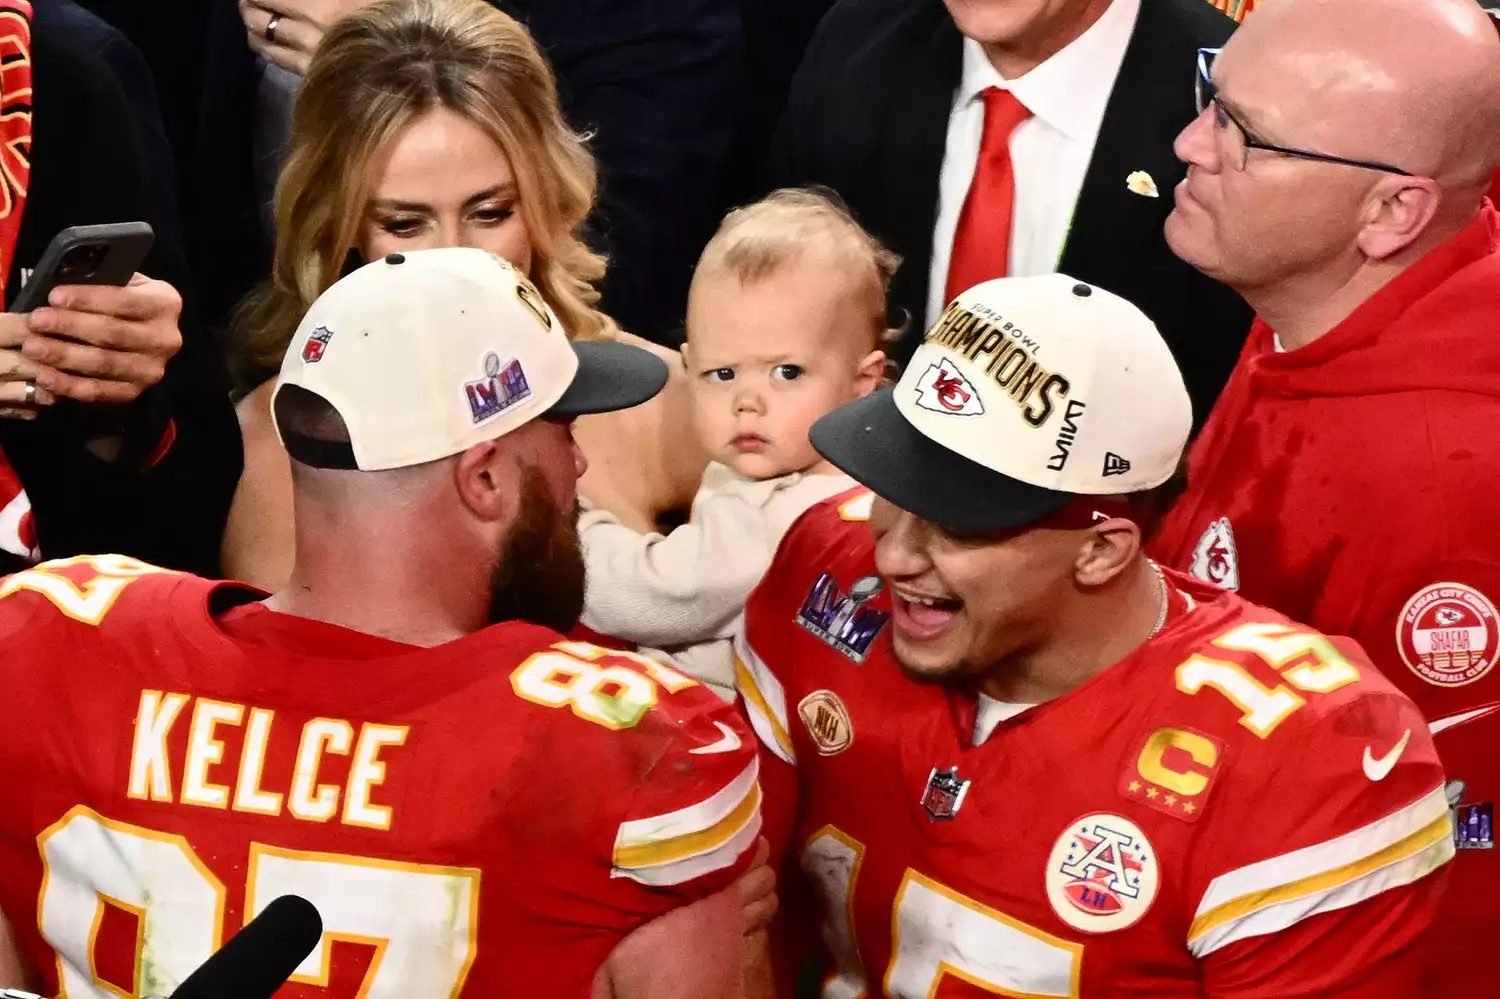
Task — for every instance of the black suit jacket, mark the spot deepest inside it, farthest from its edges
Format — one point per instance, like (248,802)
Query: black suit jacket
(868,117)
(98,155)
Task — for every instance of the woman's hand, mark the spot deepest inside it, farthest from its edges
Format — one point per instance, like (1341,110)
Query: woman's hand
(287,32)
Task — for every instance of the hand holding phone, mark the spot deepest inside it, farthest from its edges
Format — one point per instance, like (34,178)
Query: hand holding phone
(86,254)
(20,397)
(98,331)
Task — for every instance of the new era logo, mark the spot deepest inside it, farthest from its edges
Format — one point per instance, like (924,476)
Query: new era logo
(1114,464)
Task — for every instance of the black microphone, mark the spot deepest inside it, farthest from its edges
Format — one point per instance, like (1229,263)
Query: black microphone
(260,957)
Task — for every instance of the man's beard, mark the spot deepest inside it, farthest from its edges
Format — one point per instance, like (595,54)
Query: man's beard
(540,575)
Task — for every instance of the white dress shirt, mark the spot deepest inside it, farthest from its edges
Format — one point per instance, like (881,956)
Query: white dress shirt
(1049,151)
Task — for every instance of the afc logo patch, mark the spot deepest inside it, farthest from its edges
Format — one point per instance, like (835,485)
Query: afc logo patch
(1215,559)
(1448,634)
(842,620)
(944,389)
(317,343)
(1102,875)
(499,389)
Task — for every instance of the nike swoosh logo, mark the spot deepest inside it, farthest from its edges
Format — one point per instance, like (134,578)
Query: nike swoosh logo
(1443,724)
(1377,769)
(728,744)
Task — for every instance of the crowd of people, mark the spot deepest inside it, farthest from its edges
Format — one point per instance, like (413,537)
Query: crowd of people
(917,498)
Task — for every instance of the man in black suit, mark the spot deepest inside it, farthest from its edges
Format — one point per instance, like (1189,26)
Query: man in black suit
(890,105)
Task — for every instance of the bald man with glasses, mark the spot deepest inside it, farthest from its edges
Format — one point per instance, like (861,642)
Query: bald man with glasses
(1349,475)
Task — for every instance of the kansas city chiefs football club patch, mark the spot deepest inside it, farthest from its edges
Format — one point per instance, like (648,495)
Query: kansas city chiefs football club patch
(1448,634)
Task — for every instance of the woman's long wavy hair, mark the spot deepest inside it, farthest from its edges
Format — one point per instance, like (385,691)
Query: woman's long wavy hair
(375,72)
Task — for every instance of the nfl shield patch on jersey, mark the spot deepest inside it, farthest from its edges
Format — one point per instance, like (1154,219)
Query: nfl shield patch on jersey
(1215,559)
(841,619)
(944,794)
(1102,875)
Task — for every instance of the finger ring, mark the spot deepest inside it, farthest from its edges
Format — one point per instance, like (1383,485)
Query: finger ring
(31,393)
(271,28)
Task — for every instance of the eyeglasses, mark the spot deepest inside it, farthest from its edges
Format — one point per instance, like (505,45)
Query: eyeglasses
(1239,140)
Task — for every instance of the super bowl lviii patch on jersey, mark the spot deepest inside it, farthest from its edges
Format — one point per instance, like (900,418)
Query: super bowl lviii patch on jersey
(1448,634)
(502,386)
(1102,875)
(841,619)
(1473,821)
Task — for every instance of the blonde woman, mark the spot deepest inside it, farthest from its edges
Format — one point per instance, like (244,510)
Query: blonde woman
(427,123)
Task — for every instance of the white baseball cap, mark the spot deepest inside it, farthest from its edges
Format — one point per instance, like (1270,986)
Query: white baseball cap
(1025,394)
(426,354)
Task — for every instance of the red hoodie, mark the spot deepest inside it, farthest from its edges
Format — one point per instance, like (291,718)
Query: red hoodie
(1354,485)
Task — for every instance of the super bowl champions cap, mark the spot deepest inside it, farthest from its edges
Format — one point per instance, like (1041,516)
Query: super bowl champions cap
(1026,393)
(426,354)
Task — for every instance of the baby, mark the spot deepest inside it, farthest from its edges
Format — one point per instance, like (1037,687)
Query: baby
(786,319)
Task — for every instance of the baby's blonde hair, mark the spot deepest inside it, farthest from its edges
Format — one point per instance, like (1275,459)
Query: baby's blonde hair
(758,240)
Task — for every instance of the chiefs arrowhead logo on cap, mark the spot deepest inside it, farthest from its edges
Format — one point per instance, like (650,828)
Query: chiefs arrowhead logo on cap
(944,389)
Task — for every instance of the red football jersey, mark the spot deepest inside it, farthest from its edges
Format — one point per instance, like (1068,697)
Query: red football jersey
(1240,808)
(488,817)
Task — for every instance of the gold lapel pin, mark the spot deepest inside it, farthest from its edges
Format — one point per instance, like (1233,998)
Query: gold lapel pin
(1140,182)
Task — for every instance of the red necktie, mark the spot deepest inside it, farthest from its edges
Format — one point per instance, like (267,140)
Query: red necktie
(981,244)
(17,530)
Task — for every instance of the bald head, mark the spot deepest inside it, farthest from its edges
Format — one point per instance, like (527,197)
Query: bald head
(1413,83)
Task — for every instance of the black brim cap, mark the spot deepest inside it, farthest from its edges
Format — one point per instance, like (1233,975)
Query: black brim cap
(871,442)
(611,376)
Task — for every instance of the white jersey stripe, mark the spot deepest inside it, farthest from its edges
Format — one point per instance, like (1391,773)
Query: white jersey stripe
(1321,858)
(1278,916)
(1319,875)
(681,845)
(765,701)
(693,819)
(685,870)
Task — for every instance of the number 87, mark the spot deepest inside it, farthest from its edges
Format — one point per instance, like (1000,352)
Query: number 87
(91,863)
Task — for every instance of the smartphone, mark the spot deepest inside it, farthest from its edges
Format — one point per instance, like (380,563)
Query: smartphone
(87,254)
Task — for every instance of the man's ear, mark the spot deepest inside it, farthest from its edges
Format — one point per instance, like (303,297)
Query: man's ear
(869,374)
(686,350)
(488,481)
(1107,550)
(1397,214)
